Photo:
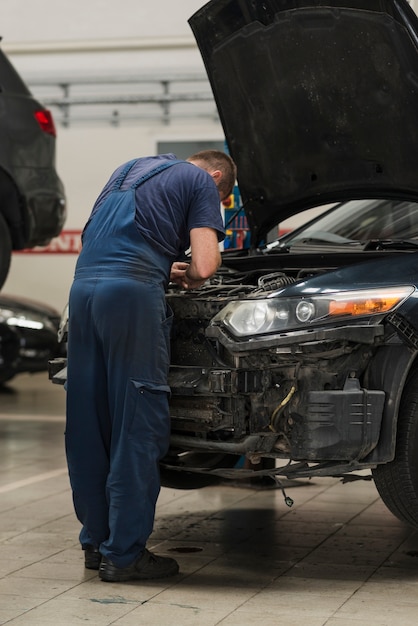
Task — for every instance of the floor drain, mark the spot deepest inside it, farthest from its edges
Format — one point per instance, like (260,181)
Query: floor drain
(184,549)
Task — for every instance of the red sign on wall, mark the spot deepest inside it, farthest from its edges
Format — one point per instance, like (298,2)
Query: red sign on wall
(67,242)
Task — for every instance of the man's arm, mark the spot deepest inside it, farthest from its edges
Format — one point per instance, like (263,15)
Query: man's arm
(205,259)
(205,254)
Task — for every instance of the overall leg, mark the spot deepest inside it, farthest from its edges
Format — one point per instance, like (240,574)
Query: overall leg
(135,336)
(87,434)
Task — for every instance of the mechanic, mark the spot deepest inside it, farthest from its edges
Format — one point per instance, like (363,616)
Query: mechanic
(150,212)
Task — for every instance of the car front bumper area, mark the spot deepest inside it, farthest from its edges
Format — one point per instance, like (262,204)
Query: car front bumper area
(296,396)
(247,412)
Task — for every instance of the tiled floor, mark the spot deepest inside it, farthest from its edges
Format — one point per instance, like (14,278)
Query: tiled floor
(336,558)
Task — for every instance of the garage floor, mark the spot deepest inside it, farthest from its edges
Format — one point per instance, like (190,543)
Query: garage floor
(336,558)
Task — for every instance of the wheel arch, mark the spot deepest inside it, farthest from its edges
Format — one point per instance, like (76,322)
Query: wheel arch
(13,210)
(389,371)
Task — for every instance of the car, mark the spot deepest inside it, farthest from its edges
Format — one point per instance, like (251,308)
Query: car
(299,358)
(32,196)
(28,336)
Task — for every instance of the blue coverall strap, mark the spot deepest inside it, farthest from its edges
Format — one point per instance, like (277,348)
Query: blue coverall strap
(119,180)
(155,171)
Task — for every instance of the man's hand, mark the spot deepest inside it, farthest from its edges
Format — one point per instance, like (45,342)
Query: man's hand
(178,276)
(205,261)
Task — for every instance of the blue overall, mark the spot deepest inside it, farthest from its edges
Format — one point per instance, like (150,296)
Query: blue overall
(117,395)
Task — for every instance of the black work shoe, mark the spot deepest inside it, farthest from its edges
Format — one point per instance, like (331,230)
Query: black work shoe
(92,557)
(148,565)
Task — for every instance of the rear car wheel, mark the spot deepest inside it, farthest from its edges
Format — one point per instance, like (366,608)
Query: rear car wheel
(5,250)
(397,481)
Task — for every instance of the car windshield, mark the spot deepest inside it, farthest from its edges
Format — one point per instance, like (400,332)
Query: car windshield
(361,221)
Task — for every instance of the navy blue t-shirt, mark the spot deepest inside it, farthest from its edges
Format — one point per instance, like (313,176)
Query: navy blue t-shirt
(171,203)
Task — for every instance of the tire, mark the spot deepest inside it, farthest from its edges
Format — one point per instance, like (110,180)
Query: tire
(9,353)
(6,377)
(397,481)
(5,250)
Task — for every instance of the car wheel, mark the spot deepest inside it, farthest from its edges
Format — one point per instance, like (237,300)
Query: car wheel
(5,250)
(6,377)
(397,481)
(9,353)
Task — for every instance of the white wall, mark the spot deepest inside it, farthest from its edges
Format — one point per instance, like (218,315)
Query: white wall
(60,20)
(58,35)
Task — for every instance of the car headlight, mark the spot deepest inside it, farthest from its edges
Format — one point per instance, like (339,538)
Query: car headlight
(23,319)
(267,315)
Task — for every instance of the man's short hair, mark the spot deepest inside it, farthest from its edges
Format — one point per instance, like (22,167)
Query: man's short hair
(218,160)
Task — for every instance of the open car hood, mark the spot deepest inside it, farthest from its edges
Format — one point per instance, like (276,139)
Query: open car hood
(318,100)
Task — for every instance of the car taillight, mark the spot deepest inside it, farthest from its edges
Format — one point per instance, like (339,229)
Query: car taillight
(46,121)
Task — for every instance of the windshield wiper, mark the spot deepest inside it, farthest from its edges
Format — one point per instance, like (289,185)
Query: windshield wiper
(334,241)
(391,244)
(325,240)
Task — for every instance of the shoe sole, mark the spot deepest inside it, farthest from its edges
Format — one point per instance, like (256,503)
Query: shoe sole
(115,577)
(92,561)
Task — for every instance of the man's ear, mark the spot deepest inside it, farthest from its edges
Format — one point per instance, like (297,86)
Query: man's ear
(216,175)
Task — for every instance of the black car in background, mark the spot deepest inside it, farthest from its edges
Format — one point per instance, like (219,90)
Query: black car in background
(299,358)
(28,336)
(32,198)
